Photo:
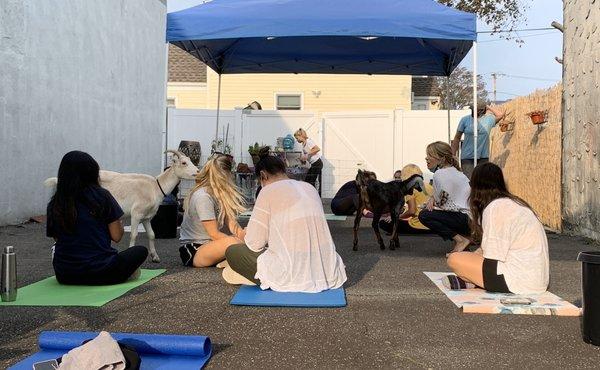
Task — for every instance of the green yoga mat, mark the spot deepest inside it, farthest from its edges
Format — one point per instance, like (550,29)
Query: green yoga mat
(328,216)
(49,292)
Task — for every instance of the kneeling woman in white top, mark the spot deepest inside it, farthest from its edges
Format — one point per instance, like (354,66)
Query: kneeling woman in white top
(513,257)
(288,246)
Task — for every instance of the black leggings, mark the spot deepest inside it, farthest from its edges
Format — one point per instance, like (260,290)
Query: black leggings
(344,206)
(403,228)
(445,223)
(123,266)
(313,173)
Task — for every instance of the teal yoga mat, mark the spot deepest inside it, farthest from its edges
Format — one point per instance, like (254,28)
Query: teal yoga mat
(254,296)
(328,216)
(49,292)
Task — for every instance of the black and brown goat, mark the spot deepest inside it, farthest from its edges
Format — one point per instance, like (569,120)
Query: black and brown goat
(381,198)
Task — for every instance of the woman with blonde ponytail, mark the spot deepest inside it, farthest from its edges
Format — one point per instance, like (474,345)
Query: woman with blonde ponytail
(209,224)
(447,211)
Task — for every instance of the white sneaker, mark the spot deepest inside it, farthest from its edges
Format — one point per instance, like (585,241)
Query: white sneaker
(234,278)
(222,264)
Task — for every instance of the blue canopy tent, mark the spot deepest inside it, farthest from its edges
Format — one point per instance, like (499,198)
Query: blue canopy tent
(400,37)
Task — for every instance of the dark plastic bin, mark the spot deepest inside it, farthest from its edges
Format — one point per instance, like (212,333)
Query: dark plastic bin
(164,222)
(590,287)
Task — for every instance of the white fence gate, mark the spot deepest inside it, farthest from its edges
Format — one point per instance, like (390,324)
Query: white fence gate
(379,141)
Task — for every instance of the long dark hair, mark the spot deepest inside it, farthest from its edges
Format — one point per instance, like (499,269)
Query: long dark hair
(77,172)
(271,164)
(487,185)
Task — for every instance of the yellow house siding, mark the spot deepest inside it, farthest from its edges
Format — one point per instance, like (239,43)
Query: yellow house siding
(188,95)
(337,92)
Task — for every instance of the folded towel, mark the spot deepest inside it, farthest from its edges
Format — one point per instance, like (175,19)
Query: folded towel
(102,352)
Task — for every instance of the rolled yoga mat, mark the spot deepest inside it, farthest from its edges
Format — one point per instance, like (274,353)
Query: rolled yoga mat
(157,351)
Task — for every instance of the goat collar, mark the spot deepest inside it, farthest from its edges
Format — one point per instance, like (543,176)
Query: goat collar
(161,189)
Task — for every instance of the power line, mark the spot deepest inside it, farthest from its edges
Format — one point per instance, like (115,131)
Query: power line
(529,78)
(522,37)
(519,30)
(506,93)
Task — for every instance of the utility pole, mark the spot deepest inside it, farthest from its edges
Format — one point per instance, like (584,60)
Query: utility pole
(494,76)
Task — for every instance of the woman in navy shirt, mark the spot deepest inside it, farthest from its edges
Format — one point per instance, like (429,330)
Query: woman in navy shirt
(83,218)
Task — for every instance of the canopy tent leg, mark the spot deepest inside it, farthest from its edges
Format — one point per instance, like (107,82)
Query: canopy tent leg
(165,158)
(218,112)
(448,108)
(475,125)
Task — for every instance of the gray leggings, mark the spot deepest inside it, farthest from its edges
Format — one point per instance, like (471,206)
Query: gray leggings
(243,261)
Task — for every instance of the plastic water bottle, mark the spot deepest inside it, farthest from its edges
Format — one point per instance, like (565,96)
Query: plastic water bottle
(8,285)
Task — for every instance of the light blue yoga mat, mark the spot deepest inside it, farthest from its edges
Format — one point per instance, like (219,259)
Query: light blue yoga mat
(328,216)
(254,296)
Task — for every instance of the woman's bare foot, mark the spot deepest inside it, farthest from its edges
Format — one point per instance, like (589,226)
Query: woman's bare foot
(460,244)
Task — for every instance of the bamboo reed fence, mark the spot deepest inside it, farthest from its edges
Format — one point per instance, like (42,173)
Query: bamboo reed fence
(530,155)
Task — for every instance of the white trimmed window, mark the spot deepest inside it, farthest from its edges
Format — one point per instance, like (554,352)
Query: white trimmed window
(288,101)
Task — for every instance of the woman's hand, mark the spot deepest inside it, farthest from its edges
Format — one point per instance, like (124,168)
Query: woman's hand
(237,231)
(430,204)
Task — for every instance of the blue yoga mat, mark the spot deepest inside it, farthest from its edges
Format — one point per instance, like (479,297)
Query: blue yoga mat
(254,296)
(157,351)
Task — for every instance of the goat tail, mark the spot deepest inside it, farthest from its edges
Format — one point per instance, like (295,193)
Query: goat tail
(51,182)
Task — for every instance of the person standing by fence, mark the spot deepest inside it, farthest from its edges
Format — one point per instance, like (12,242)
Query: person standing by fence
(485,123)
(311,153)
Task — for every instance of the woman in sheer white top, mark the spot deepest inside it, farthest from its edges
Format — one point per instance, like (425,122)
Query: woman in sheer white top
(288,246)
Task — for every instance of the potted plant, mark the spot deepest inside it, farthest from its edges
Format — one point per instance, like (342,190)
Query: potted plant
(538,117)
(253,150)
(506,126)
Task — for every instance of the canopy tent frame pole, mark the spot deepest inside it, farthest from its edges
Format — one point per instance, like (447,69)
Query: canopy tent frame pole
(448,107)
(218,111)
(475,125)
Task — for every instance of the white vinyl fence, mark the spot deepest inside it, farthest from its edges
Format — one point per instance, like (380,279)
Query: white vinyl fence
(379,141)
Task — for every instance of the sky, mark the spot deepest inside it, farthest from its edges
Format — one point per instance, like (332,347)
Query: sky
(534,59)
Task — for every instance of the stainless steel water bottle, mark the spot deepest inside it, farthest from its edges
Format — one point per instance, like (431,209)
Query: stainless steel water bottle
(8,285)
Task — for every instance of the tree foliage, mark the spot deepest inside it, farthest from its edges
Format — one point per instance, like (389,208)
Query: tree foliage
(461,89)
(498,14)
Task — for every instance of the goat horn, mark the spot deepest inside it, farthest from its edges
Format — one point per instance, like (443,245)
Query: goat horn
(175,152)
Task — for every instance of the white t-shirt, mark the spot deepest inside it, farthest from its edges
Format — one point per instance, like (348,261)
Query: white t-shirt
(451,190)
(288,220)
(514,236)
(307,146)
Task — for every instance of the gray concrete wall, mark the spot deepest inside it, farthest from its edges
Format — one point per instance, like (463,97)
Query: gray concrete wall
(581,118)
(77,74)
